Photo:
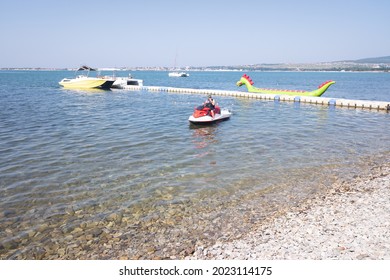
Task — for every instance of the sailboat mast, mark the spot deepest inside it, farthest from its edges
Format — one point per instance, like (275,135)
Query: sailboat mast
(175,66)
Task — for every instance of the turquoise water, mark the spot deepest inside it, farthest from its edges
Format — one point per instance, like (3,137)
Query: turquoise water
(68,157)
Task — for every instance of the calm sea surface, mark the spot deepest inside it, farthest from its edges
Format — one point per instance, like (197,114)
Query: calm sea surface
(129,163)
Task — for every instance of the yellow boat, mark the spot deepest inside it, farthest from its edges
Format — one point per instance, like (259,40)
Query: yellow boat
(85,82)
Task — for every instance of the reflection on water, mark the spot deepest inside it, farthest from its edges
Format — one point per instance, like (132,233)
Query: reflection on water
(86,91)
(203,136)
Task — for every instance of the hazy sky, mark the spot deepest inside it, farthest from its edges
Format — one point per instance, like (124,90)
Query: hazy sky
(115,33)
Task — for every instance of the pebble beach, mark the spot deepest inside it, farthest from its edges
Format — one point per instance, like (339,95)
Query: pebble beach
(350,221)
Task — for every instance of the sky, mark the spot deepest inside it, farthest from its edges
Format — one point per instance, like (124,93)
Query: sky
(151,33)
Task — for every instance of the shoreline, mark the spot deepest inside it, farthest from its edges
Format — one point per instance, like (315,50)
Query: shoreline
(349,221)
(294,231)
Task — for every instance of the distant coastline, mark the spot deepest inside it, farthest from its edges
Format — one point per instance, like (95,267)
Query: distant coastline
(379,64)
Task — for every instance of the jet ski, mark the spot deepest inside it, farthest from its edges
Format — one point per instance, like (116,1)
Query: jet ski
(202,115)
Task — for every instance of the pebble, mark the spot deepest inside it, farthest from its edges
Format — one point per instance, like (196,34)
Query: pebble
(325,227)
(96,232)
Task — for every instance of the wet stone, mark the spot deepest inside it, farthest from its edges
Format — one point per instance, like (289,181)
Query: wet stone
(67,228)
(115,217)
(7,213)
(61,252)
(96,232)
(31,233)
(39,253)
(43,227)
(77,231)
(70,211)
(9,244)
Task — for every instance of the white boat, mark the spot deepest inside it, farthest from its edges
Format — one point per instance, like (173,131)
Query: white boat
(178,74)
(120,82)
(86,82)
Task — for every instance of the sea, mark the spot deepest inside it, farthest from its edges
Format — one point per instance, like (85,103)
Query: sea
(118,173)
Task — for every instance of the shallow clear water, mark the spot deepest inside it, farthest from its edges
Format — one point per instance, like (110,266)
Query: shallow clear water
(70,156)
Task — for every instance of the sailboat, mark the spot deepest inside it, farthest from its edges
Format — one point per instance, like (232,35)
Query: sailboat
(177,72)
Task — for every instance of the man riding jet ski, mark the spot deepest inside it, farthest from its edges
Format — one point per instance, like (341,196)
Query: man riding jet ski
(209,113)
(210,103)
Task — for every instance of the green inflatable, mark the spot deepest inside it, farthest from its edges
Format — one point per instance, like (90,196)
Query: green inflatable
(246,80)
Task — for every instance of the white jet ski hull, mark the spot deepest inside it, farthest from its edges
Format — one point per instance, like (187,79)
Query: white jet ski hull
(225,115)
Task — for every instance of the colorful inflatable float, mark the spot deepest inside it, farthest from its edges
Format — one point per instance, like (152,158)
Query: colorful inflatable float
(246,80)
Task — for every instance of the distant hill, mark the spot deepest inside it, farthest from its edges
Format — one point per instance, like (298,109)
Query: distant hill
(376,60)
